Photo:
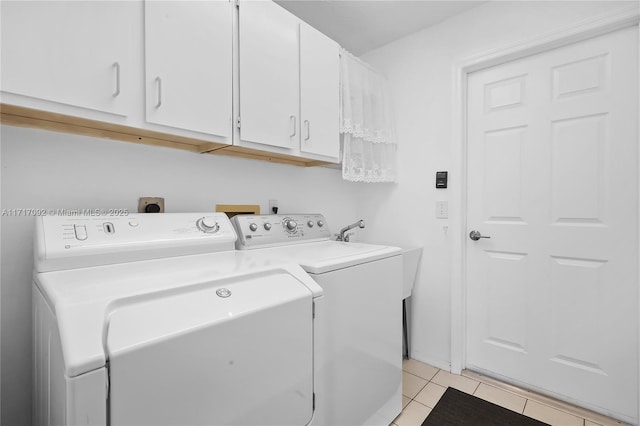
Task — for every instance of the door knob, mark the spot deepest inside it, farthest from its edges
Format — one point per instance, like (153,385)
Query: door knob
(476,235)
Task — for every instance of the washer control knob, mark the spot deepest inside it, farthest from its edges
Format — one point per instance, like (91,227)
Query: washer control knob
(267,226)
(208,224)
(320,223)
(310,224)
(253,227)
(291,224)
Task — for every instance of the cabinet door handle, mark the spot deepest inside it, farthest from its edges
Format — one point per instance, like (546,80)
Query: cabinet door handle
(306,124)
(159,83)
(116,67)
(293,120)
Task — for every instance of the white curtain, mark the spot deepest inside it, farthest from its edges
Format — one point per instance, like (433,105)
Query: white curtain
(366,126)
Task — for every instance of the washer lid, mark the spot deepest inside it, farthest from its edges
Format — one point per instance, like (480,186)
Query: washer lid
(325,256)
(81,299)
(237,352)
(142,320)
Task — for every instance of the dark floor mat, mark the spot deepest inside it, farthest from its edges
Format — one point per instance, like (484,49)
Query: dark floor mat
(457,408)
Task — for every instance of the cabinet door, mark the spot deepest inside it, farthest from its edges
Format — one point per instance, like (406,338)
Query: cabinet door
(188,54)
(319,93)
(71,52)
(269,82)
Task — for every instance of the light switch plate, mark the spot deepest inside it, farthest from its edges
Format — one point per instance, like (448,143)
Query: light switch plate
(442,209)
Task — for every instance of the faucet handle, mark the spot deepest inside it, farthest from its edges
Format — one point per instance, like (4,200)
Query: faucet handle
(346,237)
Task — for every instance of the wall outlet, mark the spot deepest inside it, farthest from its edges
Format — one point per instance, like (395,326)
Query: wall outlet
(273,207)
(151,205)
(442,209)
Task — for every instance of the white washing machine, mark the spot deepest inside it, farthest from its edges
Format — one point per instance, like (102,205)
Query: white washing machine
(157,320)
(360,363)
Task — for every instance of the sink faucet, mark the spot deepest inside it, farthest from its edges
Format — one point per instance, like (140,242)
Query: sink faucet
(343,236)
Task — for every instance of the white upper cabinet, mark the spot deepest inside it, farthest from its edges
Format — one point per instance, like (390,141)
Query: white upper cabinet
(269,76)
(249,78)
(319,93)
(76,53)
(289,84)
(188,72)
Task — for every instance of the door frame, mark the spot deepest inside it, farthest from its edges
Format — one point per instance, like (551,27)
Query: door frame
(584,30)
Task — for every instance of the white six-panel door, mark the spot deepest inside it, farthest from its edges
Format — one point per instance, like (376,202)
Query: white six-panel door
(552,296)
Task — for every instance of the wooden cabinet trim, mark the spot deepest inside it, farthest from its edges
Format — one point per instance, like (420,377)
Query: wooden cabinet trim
(13,115)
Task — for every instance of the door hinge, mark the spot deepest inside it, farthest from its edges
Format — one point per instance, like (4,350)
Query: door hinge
(313,403)
(236,3)
(238,122)
(313,309)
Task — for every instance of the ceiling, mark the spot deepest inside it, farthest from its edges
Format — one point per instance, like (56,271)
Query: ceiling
(363,25)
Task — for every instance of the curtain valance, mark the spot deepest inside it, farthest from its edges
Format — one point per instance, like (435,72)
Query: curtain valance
(366,126)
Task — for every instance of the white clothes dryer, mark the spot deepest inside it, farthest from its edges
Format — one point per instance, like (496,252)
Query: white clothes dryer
(157,320)
(360,362)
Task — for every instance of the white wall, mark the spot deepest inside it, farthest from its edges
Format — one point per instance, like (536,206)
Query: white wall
(420,72)
(51,170)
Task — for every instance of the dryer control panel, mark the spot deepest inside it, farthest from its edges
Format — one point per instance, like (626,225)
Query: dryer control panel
(64,242)
(260,231)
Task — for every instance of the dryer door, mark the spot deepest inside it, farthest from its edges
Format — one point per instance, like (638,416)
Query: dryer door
(232,352)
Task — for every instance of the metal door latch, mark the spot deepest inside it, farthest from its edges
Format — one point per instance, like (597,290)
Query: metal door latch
(476,235)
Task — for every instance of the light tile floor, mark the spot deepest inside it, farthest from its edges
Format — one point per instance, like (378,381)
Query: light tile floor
(423,385)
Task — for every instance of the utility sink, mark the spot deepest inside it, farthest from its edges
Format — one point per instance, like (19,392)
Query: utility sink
(410,261)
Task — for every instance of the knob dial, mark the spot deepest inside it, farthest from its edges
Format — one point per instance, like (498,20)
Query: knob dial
(291,224)
(267,226)
(320,223)
(208,224)
(310,224)
(253,227)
